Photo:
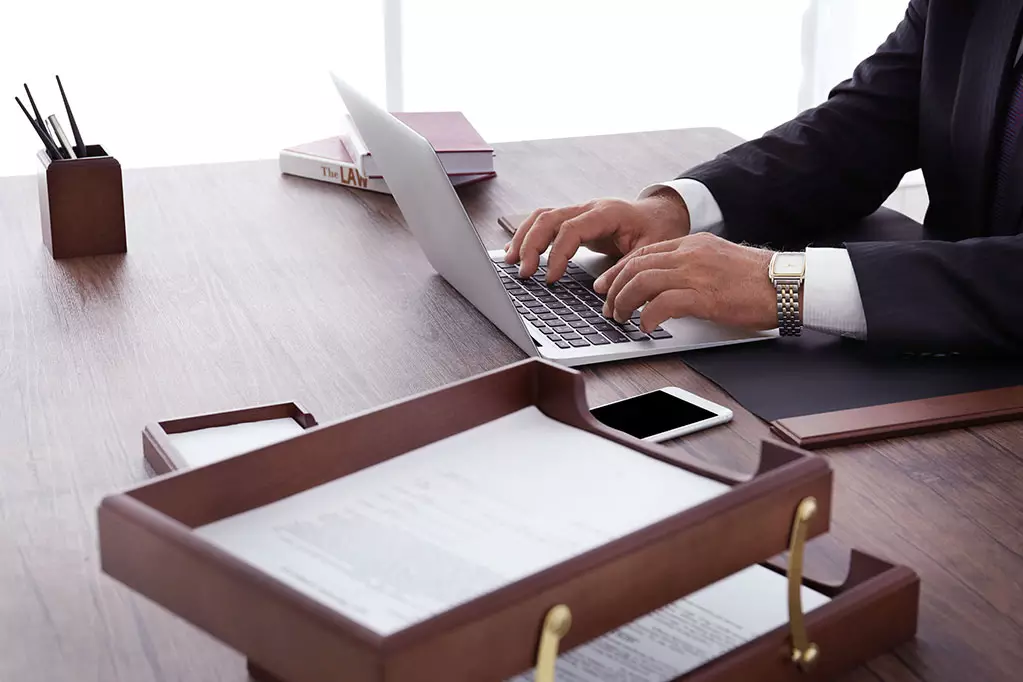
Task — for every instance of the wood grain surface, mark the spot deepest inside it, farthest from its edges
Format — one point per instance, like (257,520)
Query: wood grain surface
(242,287)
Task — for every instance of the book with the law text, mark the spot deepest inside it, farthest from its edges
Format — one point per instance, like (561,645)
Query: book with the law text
(328,160)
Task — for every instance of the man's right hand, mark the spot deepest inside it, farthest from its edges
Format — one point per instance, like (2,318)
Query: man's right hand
(612,226)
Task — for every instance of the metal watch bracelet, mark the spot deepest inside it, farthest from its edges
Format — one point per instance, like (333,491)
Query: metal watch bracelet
(789,322)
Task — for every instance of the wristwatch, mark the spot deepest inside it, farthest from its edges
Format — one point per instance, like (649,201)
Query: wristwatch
(786,272)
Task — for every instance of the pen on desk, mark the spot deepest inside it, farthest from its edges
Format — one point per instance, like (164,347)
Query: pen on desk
(51,148)
(80,146)
(61,137)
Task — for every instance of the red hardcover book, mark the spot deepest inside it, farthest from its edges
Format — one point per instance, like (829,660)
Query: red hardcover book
(462,150)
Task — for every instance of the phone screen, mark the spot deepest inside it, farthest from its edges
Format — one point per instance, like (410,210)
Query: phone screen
(650,414)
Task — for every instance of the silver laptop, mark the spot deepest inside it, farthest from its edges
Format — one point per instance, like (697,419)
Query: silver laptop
(560,322)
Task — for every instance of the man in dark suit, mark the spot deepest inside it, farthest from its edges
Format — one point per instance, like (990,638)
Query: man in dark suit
(944,93)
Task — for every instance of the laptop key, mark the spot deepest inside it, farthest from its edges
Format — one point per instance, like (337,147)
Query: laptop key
(660,334)
(616,336)
(569,335)
(596,339)
(579,324)
(579,342)
(584,280)
(547,316)
(636,336)
(562,329)
(562,344)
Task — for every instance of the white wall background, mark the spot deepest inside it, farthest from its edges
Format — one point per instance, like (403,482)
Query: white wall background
(189,81)
(200,81)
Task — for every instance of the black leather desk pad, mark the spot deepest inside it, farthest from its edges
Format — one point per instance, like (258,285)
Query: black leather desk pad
(820,373)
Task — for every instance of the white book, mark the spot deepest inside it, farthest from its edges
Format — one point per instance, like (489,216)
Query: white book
(329,161)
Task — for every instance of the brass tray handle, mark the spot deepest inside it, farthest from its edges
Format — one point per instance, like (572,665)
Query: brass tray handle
(555,626)
(804,652)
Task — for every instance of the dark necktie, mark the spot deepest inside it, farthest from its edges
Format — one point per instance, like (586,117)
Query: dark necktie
(1007,148)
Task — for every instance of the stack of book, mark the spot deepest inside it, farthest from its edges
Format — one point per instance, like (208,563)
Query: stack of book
(346,160)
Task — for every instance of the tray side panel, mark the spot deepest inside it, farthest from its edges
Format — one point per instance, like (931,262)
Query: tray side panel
(859,624)
(228,417)
(158,451)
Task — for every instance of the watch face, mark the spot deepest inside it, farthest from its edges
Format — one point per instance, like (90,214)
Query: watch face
(789,265)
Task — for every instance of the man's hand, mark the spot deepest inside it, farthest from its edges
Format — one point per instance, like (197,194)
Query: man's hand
(610,226)
(700,276)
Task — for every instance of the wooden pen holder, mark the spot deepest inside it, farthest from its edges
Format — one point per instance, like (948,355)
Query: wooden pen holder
(81,203)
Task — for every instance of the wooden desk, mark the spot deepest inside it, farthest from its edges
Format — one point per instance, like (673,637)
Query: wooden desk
(243,287)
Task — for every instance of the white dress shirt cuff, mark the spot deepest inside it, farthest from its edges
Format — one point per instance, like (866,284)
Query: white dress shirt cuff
(831,295)
(704,212)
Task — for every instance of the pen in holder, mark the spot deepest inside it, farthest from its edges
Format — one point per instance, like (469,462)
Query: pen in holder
(81,203)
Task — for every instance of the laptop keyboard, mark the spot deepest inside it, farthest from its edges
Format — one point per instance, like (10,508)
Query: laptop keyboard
(568,311)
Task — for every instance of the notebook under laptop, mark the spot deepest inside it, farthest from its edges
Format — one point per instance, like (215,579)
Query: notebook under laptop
(560,322)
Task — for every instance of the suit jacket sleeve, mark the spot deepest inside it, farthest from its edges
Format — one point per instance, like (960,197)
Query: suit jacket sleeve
(833,164)
(934,296)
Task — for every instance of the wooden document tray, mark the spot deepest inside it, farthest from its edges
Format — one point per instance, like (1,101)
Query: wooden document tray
(149,541)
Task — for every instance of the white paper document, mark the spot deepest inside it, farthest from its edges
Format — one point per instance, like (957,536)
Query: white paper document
(417,535)
(680,637)
(205,446)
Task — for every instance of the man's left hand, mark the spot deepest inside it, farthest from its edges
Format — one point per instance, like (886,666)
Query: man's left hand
(699,275)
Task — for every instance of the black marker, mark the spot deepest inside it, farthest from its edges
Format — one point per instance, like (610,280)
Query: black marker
(32,101)
(80,146)
(42,123)
(51,148)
